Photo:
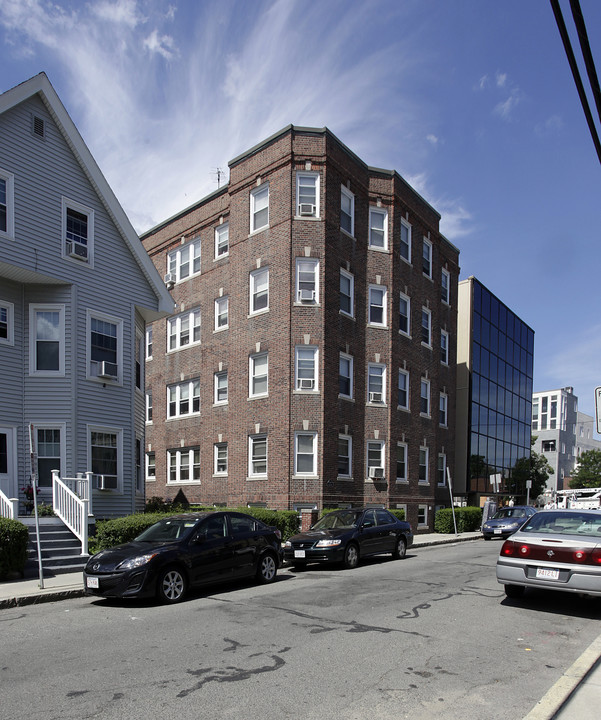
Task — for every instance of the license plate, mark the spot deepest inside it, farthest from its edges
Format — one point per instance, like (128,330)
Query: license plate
(92,582)
(299,553)
(497,531)
(546,574)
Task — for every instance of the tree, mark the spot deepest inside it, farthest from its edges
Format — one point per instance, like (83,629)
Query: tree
(588,471)
(535,468)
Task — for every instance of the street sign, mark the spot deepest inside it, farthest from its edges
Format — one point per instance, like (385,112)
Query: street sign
(598,408)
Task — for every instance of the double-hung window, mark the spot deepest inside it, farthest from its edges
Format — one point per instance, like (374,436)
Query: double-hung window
(404,315)
(306,367)
(149,342)
(105,337)
(183,399)
(221,313)
(445,287)
(426,327)
(375,459)
(347,210)
(378,229)
(443,410)
(257,455)
(427,258)
(50,452)
(307,194)
(183,465)
(376,383)
(105,456)
(151,467)
(405,241)
(424,398)
(424,458)
(7,323)
(149,405)
(259,290)
(345,456)
(444,347)
(347,293)
(258,375)
(221,387)
(345,376)
(307,281)
(222,240)
(220,459)
(259,208)
(377,306)
(47,339)
(442,469)
(401,462)
(184,262)
(7,221)
(183,330)
(305,453)
(78,231)
(403,394)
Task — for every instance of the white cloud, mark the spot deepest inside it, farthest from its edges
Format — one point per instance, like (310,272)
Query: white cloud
(505,108)
(501,79)
(551,127)
(163,44)
(432,139)
(455,219)
(121,11)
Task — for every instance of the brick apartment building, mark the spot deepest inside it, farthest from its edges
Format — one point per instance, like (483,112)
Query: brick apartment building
(311,359)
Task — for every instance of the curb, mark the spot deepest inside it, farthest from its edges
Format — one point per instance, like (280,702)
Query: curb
(446,541)
(41,597)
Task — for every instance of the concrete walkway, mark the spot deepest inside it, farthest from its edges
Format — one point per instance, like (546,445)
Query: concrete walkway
(575,696)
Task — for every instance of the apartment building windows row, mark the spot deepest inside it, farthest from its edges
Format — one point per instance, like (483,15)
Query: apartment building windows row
(306,368)
(345,376)
(378,229)
(257,456)
(258,375)
(305,454)
(183,465)
(183,330)
(307,281)
(184,262)
(377,306)
(404,315)
(345,456)
(427,258)
(402,475)
(347,211)
(347,293)
(183,399)
(259,290)
(222,305)
(376,383)
(403,390)
(259,208)
(220,458)
(222,240)
(220,387)
(307,194)
(405,241)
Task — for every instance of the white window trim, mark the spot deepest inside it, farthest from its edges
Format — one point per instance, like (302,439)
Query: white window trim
(10,323)
(315,176)
(253,290)
(429,314)
(219,232)
(407,390)
(444,473)
(351,360)
(445,334)
(177,320)
(382,464)
(178,397)
(180,452)
(423,507)
(251,441)
(219,303)
(174,260)
(62,428)
(407,333)
(444,399)
(114,321)
(298,386)
(147,477)
(427,465)
(345,191)
(427,244)
(349,439)
(425,382)
(370,392)
(253,195)
(447,274)
(407,225)
(148,405)
(252,376)
(384,213)
(148,343)
(351,278)
(384,322)
(114,431)
(298,300)
(216,377)
(404,479)
(216,448)
(67,204)
(313,471)
(9,179)
(41,307)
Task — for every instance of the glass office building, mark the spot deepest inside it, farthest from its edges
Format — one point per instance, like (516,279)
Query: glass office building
(495,361)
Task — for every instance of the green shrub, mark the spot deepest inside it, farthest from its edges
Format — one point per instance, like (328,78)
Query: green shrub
(286,521)
(397,512)
(14,539)
(468,519)
(45,510)
(121,530)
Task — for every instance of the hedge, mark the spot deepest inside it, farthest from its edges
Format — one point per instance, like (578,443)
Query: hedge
(467,518)
(14,539)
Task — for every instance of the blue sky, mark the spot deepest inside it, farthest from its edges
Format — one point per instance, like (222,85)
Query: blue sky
(472,101)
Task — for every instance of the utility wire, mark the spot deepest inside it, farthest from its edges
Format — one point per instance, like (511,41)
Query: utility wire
(586,53)
(576,73)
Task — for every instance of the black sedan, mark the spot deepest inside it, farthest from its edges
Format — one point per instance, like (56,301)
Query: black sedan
(186,551)
(346,536)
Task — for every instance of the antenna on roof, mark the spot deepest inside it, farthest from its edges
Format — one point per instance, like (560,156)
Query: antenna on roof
(220,174)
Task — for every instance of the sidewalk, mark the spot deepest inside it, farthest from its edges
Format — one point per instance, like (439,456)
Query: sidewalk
(575,696)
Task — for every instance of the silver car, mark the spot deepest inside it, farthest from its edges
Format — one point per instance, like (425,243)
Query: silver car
(556,550)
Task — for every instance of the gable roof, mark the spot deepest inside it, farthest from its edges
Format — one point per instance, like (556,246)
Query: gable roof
(41,86)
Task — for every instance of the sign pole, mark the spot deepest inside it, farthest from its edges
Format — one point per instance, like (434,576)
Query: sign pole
(32,455)
(452,503)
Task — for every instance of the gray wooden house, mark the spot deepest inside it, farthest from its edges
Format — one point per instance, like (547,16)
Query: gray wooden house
(76,291)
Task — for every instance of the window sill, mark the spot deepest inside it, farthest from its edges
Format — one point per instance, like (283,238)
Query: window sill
(345,478)
(258,397)
(346,315)
(401,408)
(252,233)
(400,481)
(349,398)
(252,478)
(311,218)
(404,334)
(223,403)
(183,482)
(221,329)
(257,312)
(376,326)
(426,416)
(298,303)
(347,233)
(426,345)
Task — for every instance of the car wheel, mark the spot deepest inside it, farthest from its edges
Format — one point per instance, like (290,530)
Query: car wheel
(487,537)
(267,569)
(400,548)
(514,591)
(172,585)
(351,556)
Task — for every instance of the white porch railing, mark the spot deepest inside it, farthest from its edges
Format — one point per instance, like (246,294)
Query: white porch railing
(72,500)
(9,507)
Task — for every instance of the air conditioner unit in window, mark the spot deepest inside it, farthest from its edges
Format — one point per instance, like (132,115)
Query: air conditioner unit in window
(375,397)
(306,209)
(169,280)
(108,370)
(77,250)
(306,384)
(306,295)
(106,482)
(376,472)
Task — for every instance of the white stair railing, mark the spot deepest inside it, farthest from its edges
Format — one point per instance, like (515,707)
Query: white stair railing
(70,508)
(9,507)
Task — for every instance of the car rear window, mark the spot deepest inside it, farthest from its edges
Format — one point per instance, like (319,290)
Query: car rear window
(565,523)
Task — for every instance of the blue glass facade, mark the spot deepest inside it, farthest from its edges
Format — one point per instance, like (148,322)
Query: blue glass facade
(500,408)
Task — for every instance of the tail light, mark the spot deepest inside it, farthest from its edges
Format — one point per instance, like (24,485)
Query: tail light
(579,556)
(508,548)
(511,549)
(596,556)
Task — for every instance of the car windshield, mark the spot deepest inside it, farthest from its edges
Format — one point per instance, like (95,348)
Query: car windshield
(168,529)
(345,519)
(565,523)
(509,512)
